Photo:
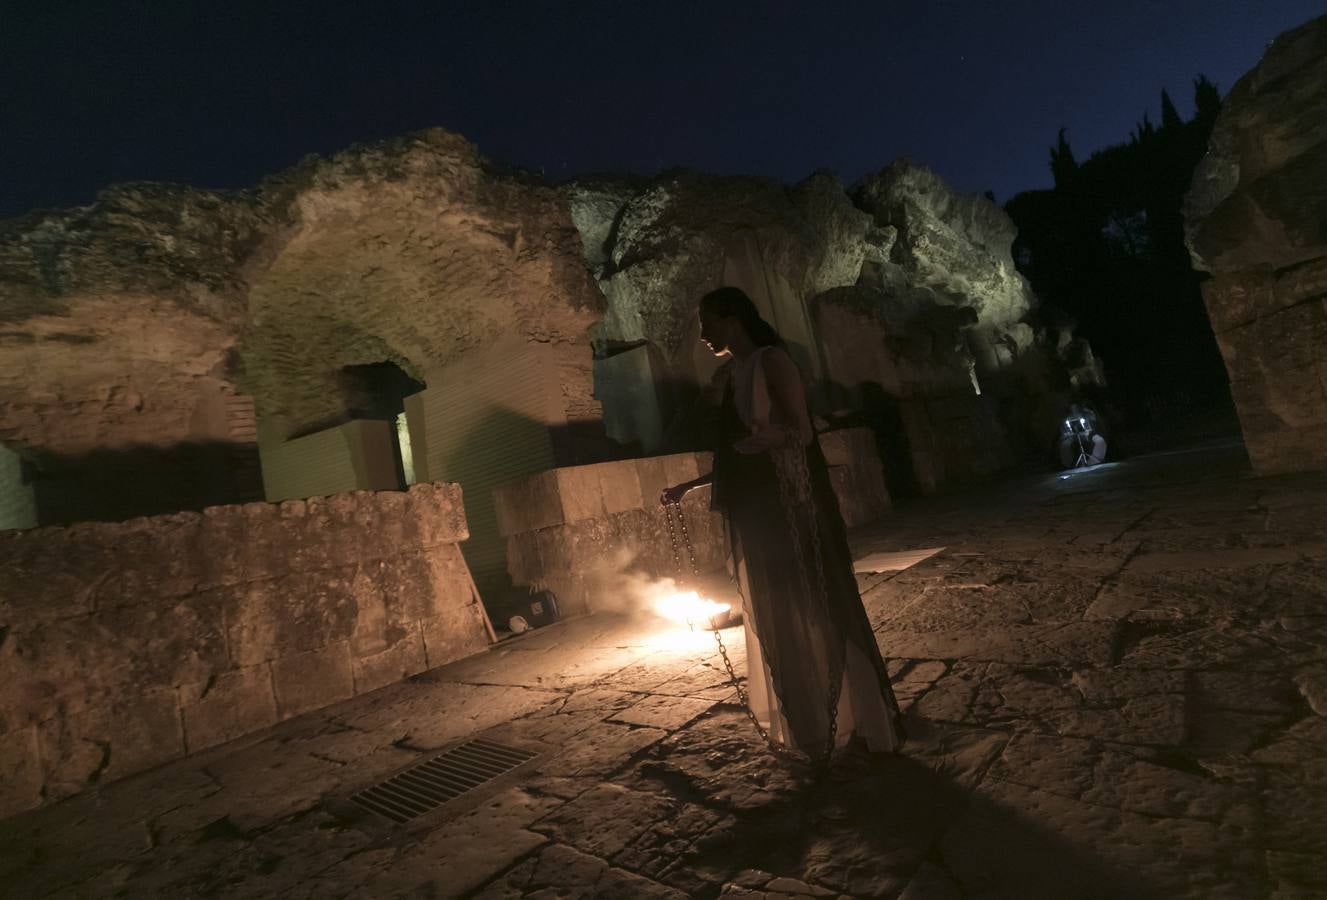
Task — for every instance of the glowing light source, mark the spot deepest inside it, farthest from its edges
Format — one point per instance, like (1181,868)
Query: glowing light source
(690,609)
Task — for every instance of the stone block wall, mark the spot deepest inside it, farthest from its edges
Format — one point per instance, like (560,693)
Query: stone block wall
(857,474)
(124,645)
(573,530)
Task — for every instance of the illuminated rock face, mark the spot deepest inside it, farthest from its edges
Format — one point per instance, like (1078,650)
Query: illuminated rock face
(901,289)
(154,341)
(939,248)
(118,350)
(159,333)
(1257,220)
(656,247)
(408,252)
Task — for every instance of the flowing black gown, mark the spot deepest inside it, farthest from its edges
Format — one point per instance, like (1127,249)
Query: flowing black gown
(805,622)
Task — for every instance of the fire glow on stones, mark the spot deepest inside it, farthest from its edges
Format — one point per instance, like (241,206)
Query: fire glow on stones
(690,609)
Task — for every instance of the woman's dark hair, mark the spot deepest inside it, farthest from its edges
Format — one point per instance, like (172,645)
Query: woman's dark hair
(733,302)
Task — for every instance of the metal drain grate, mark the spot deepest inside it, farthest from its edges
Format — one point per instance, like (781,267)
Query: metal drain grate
(444,777)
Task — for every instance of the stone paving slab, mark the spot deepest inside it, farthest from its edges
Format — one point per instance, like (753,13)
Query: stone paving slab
(1114,684)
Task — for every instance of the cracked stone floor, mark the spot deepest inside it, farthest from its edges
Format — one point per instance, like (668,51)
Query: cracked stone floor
(1115,687)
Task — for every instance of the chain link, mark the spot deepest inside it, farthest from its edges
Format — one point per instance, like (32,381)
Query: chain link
(674,509)
(797,496)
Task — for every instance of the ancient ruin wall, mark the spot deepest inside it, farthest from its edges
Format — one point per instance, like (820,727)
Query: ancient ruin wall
(123,645)
(118,321)
(576,530)
(414,252)
(927,268)
(1257,220)
(130,330)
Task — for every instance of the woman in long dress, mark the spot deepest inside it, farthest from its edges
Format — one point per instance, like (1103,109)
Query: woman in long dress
(815,677)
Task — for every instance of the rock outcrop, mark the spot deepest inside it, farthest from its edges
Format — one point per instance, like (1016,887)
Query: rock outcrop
(412,252)
(150,339)
(121,320)
(1256,218)
(901,287)
(157,339)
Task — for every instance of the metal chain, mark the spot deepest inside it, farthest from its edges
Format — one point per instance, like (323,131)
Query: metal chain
(795,485)
(675,509)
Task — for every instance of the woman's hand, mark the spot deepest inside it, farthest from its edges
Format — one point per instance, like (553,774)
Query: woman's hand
(674,494)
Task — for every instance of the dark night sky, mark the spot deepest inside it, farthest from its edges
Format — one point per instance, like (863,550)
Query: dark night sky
(219,94)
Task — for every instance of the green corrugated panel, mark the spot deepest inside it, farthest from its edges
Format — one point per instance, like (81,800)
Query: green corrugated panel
(18,505)
(486,421)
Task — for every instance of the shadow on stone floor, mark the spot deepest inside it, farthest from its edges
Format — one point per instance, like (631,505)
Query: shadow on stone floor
(910,825)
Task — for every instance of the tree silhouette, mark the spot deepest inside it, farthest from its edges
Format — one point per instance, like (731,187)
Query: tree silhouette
(1063,164)
(1105,247)
(1143,131)
(1170,116)
(1206,100)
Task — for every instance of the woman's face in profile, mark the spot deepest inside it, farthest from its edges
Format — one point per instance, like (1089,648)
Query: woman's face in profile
(713,332)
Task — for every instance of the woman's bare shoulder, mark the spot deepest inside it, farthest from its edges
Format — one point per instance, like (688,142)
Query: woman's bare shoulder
(777,361)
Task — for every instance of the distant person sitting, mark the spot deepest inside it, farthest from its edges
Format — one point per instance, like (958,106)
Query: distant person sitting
(1081,444)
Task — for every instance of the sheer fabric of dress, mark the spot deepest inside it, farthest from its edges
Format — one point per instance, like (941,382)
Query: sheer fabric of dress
(804,618)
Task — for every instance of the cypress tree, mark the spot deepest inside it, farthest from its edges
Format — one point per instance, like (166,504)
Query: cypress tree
(1170,116)
(1063,164)
(1206,100)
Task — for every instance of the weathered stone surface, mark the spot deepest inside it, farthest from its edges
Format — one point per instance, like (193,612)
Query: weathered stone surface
(103,615)
(378,665)
(20,766)
(227,706)
(102,744)
(133,309)
(669,713)
(1254,220)
(528,504)
(996,848)
(1114,757)
(857,475)
(312,680)
(294,614)
(603,821)
(69,665)
(463,854)
(583,560)
(902,253)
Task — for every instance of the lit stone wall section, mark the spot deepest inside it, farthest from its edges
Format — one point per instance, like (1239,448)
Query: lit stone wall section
(575,530)
(412,251)
(123,645)
(1257,220)
(929,268)
(132,324)
(935,431)
(857,474)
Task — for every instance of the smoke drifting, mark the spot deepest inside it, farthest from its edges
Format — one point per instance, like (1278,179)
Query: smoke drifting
(619,586)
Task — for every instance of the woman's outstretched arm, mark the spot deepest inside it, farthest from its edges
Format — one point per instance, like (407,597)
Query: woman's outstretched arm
(675,493)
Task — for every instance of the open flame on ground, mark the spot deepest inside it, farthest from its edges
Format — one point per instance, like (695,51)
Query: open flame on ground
(689,609)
